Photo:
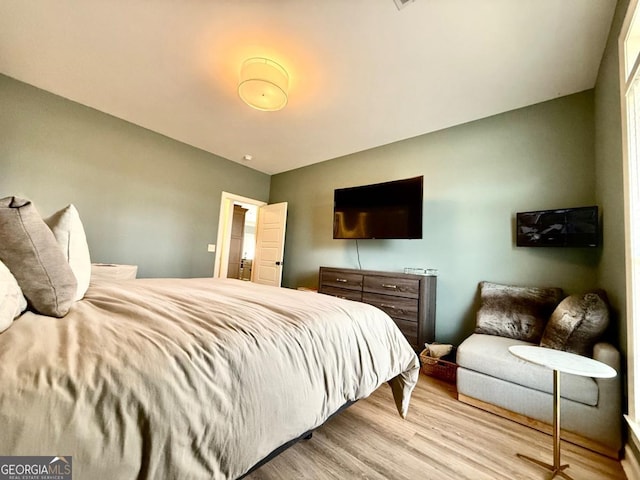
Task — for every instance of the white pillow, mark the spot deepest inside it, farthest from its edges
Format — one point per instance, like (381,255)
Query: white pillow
(69,232)
(12,301)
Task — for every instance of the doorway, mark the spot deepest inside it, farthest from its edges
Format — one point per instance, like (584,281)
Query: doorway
(242,244)
(236,236)
(261,257)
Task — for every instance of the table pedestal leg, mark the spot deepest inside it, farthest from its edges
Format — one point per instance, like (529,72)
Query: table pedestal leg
(556,468)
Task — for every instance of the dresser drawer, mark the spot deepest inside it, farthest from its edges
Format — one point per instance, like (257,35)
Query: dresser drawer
(409,330)
(355,295)
(334,278)
(404,287)
(396,307)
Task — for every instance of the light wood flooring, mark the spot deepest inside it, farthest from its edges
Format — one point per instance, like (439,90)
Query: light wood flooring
(441,439)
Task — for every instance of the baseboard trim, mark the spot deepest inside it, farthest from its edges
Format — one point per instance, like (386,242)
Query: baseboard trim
(630,464)
(541,426)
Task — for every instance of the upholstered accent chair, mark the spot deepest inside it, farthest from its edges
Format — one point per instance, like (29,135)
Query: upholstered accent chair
(491,378)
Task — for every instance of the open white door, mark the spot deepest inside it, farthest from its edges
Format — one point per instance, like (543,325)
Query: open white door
(267,266)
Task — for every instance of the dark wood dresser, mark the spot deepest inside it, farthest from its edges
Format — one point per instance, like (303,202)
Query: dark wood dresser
(410,300)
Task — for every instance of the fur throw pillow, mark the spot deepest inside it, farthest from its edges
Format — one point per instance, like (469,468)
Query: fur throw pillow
(515,312)
(577,323)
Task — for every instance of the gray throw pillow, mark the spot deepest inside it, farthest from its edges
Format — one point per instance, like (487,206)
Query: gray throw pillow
(577,323)
(29,249)
(515,312)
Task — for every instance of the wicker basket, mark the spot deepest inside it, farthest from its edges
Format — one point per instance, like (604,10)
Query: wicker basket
(442,368)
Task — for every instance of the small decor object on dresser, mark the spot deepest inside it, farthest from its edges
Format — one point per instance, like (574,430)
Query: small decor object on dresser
(410,300)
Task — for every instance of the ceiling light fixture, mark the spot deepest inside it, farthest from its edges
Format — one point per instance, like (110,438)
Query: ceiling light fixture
(263,84)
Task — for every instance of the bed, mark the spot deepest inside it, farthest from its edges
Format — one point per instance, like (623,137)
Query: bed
(190,378)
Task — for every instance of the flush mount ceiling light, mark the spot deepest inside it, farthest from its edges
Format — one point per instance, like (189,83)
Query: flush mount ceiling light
(263,84)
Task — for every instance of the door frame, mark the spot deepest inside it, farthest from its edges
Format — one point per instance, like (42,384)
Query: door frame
(225,219)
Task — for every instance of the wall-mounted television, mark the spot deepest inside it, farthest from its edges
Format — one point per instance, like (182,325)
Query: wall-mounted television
(565,227)
(389,210)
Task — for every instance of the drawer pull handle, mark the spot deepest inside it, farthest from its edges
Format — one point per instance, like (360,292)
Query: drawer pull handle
(341,280)
(386,285)
(384,305)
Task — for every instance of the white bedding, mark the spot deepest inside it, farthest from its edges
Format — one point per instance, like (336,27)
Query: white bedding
(189,378)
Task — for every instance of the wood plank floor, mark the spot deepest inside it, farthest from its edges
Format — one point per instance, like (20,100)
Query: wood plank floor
(441,439)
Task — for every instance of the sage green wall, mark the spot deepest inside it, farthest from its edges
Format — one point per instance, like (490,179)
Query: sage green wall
(609,177)
(476,177)
(144,199)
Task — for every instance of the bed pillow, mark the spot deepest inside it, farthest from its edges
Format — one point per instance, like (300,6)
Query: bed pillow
(69,232)
(12,301)
(515,312)
(577,323)
(29,249)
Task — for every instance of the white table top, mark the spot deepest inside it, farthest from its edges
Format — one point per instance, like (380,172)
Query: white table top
(563,361)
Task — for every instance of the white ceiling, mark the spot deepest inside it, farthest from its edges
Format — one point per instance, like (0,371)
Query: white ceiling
(363,73)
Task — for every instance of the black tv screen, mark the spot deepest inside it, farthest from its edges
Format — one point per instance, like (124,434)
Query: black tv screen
(390,210)
(567,227)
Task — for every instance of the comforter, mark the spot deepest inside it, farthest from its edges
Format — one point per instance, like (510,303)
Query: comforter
(189,378)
